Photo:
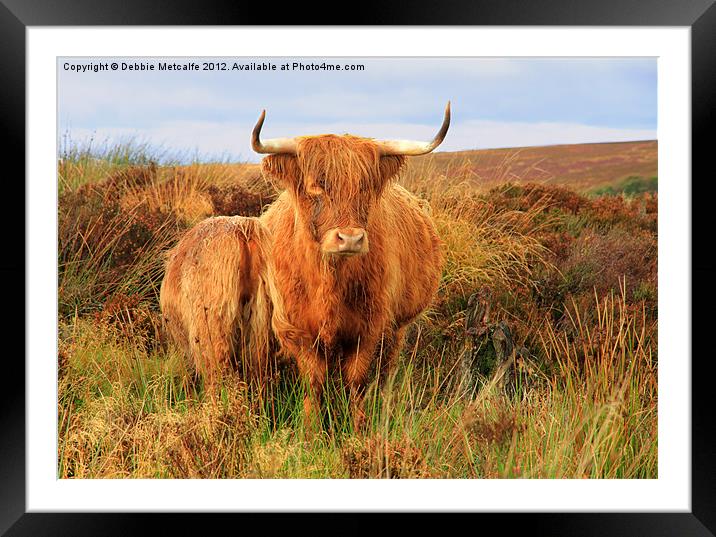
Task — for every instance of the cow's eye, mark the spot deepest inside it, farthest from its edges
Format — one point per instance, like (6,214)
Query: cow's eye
(315,191)
(314,185)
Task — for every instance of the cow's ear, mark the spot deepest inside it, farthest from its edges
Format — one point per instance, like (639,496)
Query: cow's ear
(391,166)
(283,170)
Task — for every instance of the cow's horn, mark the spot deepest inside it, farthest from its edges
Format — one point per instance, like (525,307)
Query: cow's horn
(272,145)
(410,148)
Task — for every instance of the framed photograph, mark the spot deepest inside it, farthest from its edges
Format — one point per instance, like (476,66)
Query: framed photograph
(270,269)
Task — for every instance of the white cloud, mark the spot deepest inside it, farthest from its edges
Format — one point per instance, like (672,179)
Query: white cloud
(88,101)
(232,139)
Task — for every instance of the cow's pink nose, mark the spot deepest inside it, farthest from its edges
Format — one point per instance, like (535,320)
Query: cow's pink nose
(349,240)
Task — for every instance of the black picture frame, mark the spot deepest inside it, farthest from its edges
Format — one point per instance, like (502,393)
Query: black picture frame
(699,15)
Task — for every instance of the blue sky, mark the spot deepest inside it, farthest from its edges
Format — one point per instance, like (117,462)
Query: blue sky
(497,102)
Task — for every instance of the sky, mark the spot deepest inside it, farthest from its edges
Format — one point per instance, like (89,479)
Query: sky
(496,102)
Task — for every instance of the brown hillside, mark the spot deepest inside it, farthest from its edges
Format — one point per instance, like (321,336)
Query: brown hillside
(582,167)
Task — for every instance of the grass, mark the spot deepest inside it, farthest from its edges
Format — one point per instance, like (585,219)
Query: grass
(630,187)
(573,278)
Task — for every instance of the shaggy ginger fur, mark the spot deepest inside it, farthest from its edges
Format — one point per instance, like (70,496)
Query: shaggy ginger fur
(214,297)
(346,314)
(328,312)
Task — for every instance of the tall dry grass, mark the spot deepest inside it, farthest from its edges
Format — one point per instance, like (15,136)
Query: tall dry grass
(576,398)
(596,417)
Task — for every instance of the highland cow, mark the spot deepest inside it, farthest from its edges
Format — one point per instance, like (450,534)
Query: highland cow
(214,297)
(355,257)
(344,260)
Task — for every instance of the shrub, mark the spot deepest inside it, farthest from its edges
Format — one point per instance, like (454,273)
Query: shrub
(236,200)
(630,187)
(106,245)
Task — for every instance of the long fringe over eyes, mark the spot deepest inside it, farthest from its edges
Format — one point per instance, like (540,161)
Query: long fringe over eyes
(342,166)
